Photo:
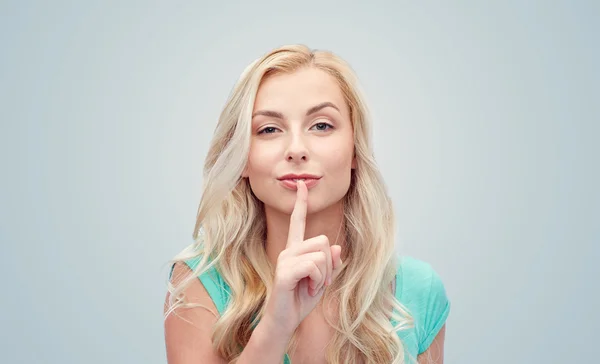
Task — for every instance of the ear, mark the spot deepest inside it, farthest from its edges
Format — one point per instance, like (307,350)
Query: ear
(245,172)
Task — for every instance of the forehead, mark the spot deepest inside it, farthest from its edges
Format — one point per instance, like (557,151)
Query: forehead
(301,89)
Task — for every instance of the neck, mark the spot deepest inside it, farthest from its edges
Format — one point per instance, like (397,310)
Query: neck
(328,222)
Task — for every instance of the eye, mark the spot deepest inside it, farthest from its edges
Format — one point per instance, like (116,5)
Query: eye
(322,126)
(268,130)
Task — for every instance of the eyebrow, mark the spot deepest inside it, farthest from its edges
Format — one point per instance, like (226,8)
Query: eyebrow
(312,110)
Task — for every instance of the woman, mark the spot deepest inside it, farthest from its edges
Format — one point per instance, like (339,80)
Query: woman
(294,255)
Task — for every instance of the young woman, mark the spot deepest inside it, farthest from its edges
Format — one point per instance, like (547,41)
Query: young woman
(294,256)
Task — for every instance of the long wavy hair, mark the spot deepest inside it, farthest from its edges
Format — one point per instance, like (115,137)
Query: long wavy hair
(230,228)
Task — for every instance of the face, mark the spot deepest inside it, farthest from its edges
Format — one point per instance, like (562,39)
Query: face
(300,126)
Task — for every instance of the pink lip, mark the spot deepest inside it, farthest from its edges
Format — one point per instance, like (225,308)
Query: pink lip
(296,176)
(288,180)
(293,185)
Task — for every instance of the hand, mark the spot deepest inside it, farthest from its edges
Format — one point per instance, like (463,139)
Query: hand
(304,268)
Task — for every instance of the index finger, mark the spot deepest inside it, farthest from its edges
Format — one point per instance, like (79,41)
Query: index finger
(298,218)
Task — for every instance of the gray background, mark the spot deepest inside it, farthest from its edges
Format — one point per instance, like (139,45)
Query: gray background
(486,124)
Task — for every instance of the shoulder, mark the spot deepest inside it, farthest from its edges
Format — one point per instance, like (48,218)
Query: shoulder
(422,291)
(211,280)
(417,276)
(188,330)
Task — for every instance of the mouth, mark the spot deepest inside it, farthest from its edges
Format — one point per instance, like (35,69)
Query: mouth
(291,181)
(296,179)
(299,176)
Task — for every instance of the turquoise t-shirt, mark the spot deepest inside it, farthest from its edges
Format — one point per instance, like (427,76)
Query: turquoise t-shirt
(418,287)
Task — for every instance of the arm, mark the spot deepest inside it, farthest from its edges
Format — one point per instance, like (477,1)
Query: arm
(435,353)
(188,331)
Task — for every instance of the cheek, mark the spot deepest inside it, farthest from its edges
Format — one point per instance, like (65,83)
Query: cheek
(338,156)
(260,160)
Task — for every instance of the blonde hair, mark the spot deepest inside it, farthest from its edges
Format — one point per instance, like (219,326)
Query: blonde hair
(230,228)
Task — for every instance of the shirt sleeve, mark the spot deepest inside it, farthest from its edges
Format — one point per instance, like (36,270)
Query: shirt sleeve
(436,311)
(424,294)
(212,281)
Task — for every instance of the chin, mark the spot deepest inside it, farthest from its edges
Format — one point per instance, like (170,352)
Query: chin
(286,206)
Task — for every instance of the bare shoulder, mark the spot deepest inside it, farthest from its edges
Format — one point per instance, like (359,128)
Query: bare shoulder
(188,330)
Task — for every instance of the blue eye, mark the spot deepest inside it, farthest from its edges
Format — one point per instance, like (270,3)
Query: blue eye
(323,126)
(317,126)
(268,130)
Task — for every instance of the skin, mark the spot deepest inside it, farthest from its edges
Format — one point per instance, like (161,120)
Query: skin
(321,143)
(435,353)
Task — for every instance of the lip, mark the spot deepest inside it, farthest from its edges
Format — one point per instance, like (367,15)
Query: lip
(297,176)
(288,180)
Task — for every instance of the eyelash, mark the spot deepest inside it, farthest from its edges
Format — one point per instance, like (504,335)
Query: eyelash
(262,131)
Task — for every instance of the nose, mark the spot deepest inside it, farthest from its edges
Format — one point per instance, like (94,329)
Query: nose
(297,150)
